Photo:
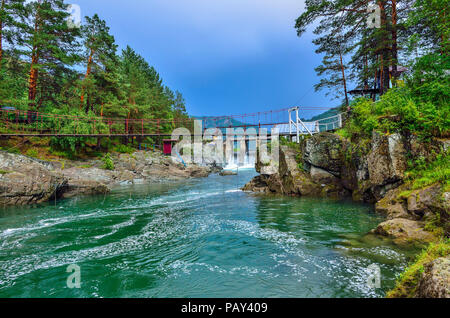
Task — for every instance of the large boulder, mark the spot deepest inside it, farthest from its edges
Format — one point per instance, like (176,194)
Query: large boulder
(386,163)
(428,201)
(393,205)
(224,173)
(429,204)
(91,174)
(404,231)
(257,184)
(24,180)
(84,187)
(289,178)
(435,279)
(324,151)
(198,172)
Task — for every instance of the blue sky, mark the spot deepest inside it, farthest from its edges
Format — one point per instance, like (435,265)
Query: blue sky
(224,56)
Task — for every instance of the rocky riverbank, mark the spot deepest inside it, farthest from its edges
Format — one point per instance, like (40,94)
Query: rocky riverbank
(374,171)
(25,180)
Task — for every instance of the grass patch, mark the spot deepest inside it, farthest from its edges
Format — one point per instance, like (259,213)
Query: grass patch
(12,150)
(63,154)
(435,226)
(2,172)
(121,148)
(85,166)
(33,153)
(406,286)
(404,195)
(427,174)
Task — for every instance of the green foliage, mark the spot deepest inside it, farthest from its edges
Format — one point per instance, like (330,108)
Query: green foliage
(406,285)
(67,154)
(120,148)
(12,150)
(424,174)
(32,153)
(399,110)
(435,226)
(108,163)
(113,85)
(87,166)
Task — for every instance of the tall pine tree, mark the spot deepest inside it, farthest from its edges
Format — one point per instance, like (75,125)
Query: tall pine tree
(51,48)
(100,54)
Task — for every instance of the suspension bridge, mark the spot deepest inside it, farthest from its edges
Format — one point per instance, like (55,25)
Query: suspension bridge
(287,121)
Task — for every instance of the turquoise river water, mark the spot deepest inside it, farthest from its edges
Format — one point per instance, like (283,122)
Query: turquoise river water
(194,238)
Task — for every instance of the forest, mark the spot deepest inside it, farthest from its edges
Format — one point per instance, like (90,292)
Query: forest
(394,52)
(48,65)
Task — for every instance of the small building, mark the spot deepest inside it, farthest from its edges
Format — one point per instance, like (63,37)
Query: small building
(167,146)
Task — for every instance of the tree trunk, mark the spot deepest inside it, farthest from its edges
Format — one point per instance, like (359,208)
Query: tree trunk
(1,33)
(33,78)
(32,82)
(88,72)
(384,49)
(88,104)
(394,50)
(366,74)
(376,83)
(343,78)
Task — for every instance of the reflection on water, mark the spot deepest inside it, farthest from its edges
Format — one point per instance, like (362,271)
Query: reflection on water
(195,238)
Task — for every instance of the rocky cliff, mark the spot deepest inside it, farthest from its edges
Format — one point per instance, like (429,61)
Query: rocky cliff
(25,180)
(328,165)
(372,171)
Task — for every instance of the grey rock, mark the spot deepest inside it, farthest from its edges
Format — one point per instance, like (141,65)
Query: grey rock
(435,280)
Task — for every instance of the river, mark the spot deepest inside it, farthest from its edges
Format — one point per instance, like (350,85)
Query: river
(194,238)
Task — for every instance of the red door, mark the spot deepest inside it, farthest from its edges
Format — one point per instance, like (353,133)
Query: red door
(167,148)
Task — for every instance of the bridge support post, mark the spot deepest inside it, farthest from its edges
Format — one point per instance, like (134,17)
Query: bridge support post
(297,123)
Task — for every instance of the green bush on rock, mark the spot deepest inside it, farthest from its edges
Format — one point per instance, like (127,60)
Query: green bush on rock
(108,163)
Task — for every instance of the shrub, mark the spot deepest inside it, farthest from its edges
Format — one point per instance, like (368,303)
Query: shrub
(32,153)
(399,110)
(67,125)
(424,174)
(121,148)
(108,163)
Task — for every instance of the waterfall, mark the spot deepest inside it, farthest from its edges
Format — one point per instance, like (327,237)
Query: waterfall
(232,162)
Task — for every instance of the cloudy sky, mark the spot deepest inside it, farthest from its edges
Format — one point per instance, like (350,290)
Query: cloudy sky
(225,56)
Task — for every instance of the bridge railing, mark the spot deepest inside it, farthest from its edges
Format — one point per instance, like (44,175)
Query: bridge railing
(20,122)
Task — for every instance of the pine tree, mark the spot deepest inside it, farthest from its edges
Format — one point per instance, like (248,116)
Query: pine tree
(374,52)
(12,74)
(10,13)
(100,54)
(52,47)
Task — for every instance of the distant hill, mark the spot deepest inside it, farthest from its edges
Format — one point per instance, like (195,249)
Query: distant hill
(333,122)
(329,113)
(225,122)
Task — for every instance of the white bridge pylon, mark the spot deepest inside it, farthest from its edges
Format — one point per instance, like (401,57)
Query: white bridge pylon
(297,123)
(298,127)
